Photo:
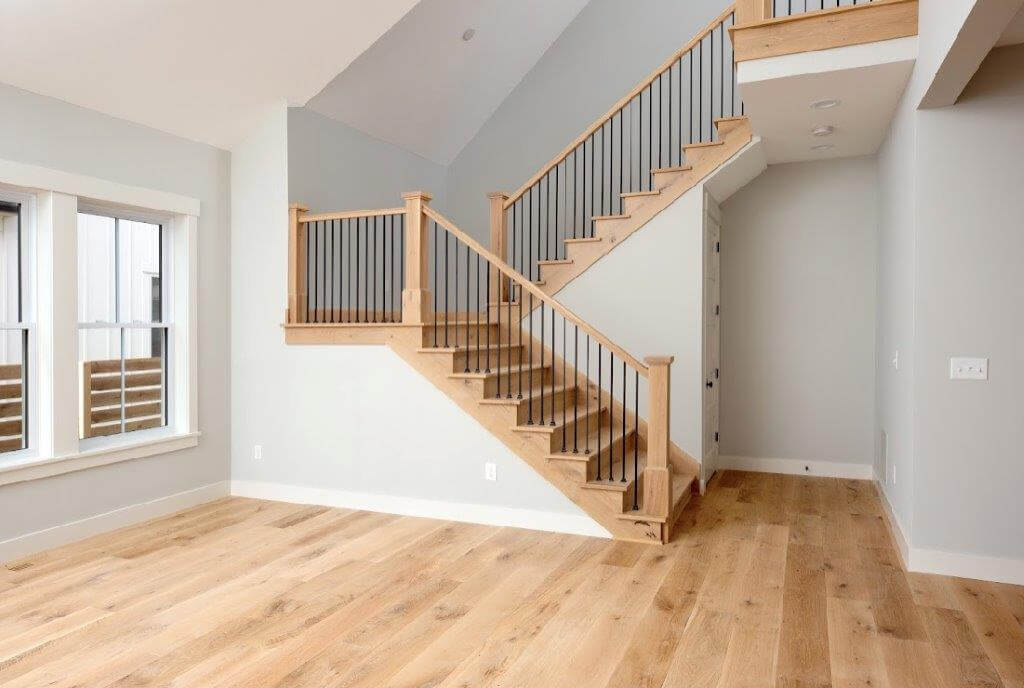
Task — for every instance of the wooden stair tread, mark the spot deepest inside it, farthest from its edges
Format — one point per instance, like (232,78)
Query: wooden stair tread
(471,348)
(736,118)
(633,194)
(548,429)
(581,444)
(674,168)
(680,495)
(545,391)
(507,370)
(583,240)
(562,261)
(703,144)
(610,217)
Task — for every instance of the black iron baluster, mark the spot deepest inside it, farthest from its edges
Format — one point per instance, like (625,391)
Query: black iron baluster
(700,90)
(541,361)
(446,242)
(600,169)
(552,363)
(624,422)
(401,262)
(721,70)
(661,110)
(586,391)
(689,89)
(565,380)
(556,213)
(529,401)
(385,306)
(487,366)
(467,300)
(620,162)
(599,376)
(437,250)
(636,439)
(477,301)
(574,191)
(650,136)
(519,328)
(589,222)
(372,234)
(316,260)
(358,261)
(529,232)
(575,387)
(611,414)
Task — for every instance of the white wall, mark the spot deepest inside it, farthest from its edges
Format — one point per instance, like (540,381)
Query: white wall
(333,166)
(352,421)
(969,297)
(47,132)
(798,314)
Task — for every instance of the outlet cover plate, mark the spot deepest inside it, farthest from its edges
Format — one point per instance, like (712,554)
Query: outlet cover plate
(965,368)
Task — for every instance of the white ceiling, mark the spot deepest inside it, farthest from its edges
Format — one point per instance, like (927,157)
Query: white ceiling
(423,88)
(1014,32)
(868,80)
(195,68)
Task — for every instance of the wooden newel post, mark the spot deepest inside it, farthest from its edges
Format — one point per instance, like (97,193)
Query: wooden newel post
(657,474)
(296,312)
(498,234)
(415,295)
(753,11)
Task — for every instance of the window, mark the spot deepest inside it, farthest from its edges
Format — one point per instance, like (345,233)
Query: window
(13,331)
(123,333)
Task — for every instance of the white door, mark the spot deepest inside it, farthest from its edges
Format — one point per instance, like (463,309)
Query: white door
(712,335)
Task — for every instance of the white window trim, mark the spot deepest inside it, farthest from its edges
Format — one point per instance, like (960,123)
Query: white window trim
(55,447)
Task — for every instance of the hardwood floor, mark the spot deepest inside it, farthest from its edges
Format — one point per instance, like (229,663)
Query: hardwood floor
(770,581)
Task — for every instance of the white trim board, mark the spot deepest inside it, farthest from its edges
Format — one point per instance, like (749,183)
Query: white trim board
(961,565)
(411,506)
(821,469)
(30,543)
(35,177)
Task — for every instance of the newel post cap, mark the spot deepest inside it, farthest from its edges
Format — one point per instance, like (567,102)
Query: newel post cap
(298,206)
(659,360)
(503,195)
(422,195)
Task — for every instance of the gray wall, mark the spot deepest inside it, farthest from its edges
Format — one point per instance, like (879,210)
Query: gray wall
(969,297)
(798,313)
(51,133)
(606,50)
(332,166)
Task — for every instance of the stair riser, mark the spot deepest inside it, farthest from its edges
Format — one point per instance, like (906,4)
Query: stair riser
(615,451)
(665,179)
(632,203)
(484,359)
(457,334)
(619,501)
(512,383)
(523,415)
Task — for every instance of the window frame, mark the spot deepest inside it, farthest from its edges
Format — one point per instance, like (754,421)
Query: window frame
(166,275)
(53,199)
(25,321)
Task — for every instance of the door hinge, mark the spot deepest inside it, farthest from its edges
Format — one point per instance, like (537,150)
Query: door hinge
(717,309)
(716,437)
(718,247)
(716,373)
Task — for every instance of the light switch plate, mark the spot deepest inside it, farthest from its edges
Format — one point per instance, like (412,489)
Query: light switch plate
(968,368)
(490,471)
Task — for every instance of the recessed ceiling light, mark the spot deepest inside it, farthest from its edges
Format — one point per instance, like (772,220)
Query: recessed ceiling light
(825,104)
(823,130)
(822,147)
(468,34)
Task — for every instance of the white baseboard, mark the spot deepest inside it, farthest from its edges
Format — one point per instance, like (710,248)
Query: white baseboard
(821,469)
(410,506)
(896,530)
(30,543)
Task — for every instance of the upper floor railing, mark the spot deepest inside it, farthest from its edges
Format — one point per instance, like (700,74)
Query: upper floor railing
(645,130)
(785,8)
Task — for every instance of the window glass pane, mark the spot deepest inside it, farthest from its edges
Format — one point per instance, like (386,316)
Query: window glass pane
(12,386)
(99,354)
(97,293)
(145,379)
(139,271)
(10,262)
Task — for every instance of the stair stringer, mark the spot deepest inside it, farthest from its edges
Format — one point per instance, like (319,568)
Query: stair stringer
(701,161)
(500,421)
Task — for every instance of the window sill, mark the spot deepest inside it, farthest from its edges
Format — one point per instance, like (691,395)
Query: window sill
(34,468)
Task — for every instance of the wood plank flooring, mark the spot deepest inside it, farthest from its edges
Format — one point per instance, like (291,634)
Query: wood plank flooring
(771,581)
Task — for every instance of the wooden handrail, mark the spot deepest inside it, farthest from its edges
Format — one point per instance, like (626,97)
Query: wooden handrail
(528,286)
(350,214)
(620,104)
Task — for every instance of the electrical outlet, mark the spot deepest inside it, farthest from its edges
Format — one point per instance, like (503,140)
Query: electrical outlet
(490,471)
(257,452)
(968,368)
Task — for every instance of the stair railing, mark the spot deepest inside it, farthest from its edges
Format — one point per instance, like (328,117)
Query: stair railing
(504,329)
(787,8)
(676,105)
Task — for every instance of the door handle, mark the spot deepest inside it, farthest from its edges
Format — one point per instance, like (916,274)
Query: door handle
(709,384)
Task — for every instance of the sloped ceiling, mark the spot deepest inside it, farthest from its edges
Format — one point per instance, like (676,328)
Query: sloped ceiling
(195,68)
(424,88)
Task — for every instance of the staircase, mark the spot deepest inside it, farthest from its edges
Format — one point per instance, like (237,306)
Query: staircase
(482,323)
